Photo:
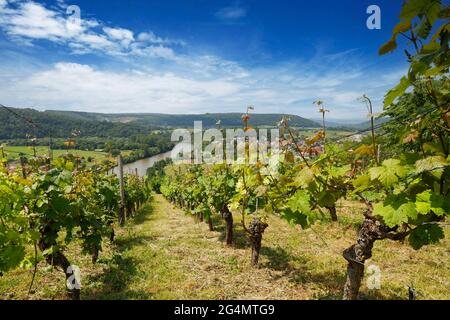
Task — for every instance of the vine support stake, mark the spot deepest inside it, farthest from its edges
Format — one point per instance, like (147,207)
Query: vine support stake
(22,164)
(122,192)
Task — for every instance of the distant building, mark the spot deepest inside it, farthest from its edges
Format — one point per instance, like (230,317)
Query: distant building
(356,138)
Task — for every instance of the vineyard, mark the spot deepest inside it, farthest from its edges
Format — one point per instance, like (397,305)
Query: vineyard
(405,191)
(47,207)
(325,217)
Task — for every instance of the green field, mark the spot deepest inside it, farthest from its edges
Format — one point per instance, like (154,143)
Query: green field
(13,152)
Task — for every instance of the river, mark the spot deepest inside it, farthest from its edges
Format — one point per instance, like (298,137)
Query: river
(143,164)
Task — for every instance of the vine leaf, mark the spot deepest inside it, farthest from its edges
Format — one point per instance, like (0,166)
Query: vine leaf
(395,210)
(431,164)
(429,201)
(425,234)
(300,202)
(388,173)
(397,91)
(295,218)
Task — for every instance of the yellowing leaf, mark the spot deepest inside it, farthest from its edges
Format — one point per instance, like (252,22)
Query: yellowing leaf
(411,137)
(433,163)
(402,26)
(364,150)
(391,45)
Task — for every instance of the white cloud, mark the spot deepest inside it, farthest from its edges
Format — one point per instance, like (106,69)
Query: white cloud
(72,86)
(125,36)
(155,77)
(231,13)
(150,37)
(81,87)
(28,21)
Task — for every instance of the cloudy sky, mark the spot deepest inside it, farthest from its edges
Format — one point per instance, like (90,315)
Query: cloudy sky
(195,56)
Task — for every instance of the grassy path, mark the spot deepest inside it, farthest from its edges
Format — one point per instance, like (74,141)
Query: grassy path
(165,254)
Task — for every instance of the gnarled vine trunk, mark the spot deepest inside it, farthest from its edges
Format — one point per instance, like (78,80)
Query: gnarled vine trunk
(94,255)
(210,224)
(256,229)
(60,260)
(228,217)
(332,211)
(356,255)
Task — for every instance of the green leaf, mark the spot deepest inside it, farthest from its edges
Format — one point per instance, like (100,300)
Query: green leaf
(425,234)
(300,202)
(413,8)
(388,173)
(396,92)
(304,177)
(433,147)
(423,29)
(429,201)
(363,180)
(295,218)
(417,67)
(326,199)
(435,71)
(395,210)
(433,12)
(11,257)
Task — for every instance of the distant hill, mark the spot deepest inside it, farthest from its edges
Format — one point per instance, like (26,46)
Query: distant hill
(62,123)
(187,120)
(209,120)
(366,124)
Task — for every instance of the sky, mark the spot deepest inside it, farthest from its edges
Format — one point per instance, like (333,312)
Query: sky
(196,56)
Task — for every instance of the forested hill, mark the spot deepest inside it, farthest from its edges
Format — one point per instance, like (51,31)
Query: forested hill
(62,123)
(187,120)
(227,120)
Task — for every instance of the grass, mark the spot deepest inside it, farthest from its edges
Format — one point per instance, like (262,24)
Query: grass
(13,152)
(164,254)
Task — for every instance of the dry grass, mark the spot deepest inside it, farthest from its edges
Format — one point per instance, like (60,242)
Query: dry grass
(164,254)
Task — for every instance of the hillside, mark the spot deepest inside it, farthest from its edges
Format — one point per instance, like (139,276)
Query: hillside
(62,123)
(186,120)
(227,120)
(164,254)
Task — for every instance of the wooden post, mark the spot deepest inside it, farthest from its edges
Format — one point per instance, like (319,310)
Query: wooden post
(50,152)
(122,193)
(5,164)
(136,172)
(22,164)
(379,154)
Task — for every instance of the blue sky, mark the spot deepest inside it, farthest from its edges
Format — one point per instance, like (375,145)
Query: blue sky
(196,56)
